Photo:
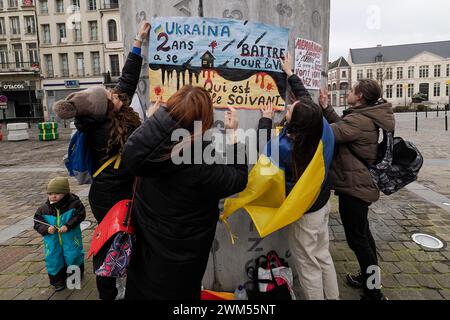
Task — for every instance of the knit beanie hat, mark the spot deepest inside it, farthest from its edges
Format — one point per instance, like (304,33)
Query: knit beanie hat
(59,185)
(89,102)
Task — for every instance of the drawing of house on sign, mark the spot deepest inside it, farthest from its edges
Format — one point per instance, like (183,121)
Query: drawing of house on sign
(208,60)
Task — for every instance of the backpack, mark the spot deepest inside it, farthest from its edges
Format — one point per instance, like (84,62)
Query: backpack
(78,160)
(398,163)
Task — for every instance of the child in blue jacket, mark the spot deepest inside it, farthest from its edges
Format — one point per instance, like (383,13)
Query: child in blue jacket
(58,220)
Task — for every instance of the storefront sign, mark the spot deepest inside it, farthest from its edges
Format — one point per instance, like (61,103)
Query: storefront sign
(17,86)
(72,83)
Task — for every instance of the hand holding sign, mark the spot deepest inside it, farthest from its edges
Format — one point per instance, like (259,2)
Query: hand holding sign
(231,124)
(267,111)
(231,119)
(286,65)
(323,99)
(151,110)
(145,30)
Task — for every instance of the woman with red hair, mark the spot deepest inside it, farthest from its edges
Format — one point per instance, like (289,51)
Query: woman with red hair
(176,207)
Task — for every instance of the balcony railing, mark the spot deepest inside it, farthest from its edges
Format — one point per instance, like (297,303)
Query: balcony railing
(110,4)
(19,67)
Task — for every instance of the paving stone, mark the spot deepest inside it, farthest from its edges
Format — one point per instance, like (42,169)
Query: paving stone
(421,256)
(338,256)
(339,236)
(410,294)
(9,294)
(406,281)
(405,256)
(44,294)
(446,255)
(392,294)
(445,294)
(62,295)
(397,246)
(411,245)
(383,246)
(441,267)
(93,295)
(424,268)
(36,267)
(350,255)
(351,267)
(338,229)
(443,280)
(13,281)
(437,257)
(427,281)
(406,267)
(389,268)
(30,282)
(387,256)
(430,294)
(340,268)
(401,237)
(389,281)
(81,294)
(27,294)
(17,268)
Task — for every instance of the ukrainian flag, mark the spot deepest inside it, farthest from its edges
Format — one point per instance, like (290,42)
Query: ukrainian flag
(265,196)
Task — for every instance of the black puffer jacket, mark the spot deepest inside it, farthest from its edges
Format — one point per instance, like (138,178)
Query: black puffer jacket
(112,185)
(175,213)
(70,201)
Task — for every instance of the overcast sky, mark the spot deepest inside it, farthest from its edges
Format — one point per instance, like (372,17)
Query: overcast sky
(365,23)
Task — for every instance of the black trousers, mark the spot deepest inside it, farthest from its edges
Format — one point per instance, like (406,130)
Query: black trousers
(354,215)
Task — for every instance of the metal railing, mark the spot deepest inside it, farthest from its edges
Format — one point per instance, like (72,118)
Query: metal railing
(110,4)
(19,67)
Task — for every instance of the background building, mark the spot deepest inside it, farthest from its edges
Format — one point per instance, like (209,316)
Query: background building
(406,70)
(339,80)
(19,59)
(80,44)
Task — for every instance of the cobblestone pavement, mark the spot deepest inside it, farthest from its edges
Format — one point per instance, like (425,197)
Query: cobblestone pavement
(409,271)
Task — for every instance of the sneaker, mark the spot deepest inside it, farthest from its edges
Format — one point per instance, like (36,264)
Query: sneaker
(59,287)
(355,280)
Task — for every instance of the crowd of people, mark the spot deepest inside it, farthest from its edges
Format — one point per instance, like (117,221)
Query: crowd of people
(176,207)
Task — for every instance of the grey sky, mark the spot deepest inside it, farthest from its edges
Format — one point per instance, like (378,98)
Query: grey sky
(355,23)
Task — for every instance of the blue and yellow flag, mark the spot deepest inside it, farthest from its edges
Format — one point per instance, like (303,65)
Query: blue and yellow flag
(265,196)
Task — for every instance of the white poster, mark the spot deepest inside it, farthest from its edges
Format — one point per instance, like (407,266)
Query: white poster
(309,63)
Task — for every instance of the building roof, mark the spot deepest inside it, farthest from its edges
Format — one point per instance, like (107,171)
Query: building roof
(399,52)
(341,62)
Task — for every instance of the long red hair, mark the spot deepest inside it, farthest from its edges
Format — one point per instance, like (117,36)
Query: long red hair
(190,104)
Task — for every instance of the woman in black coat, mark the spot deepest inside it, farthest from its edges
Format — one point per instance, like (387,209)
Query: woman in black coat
(176,206)
(106,137)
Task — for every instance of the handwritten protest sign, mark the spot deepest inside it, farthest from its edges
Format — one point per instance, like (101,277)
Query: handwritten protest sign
(309,63)
(237,61)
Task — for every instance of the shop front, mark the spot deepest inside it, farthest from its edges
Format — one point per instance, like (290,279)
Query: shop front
(21,102)
(59,90)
